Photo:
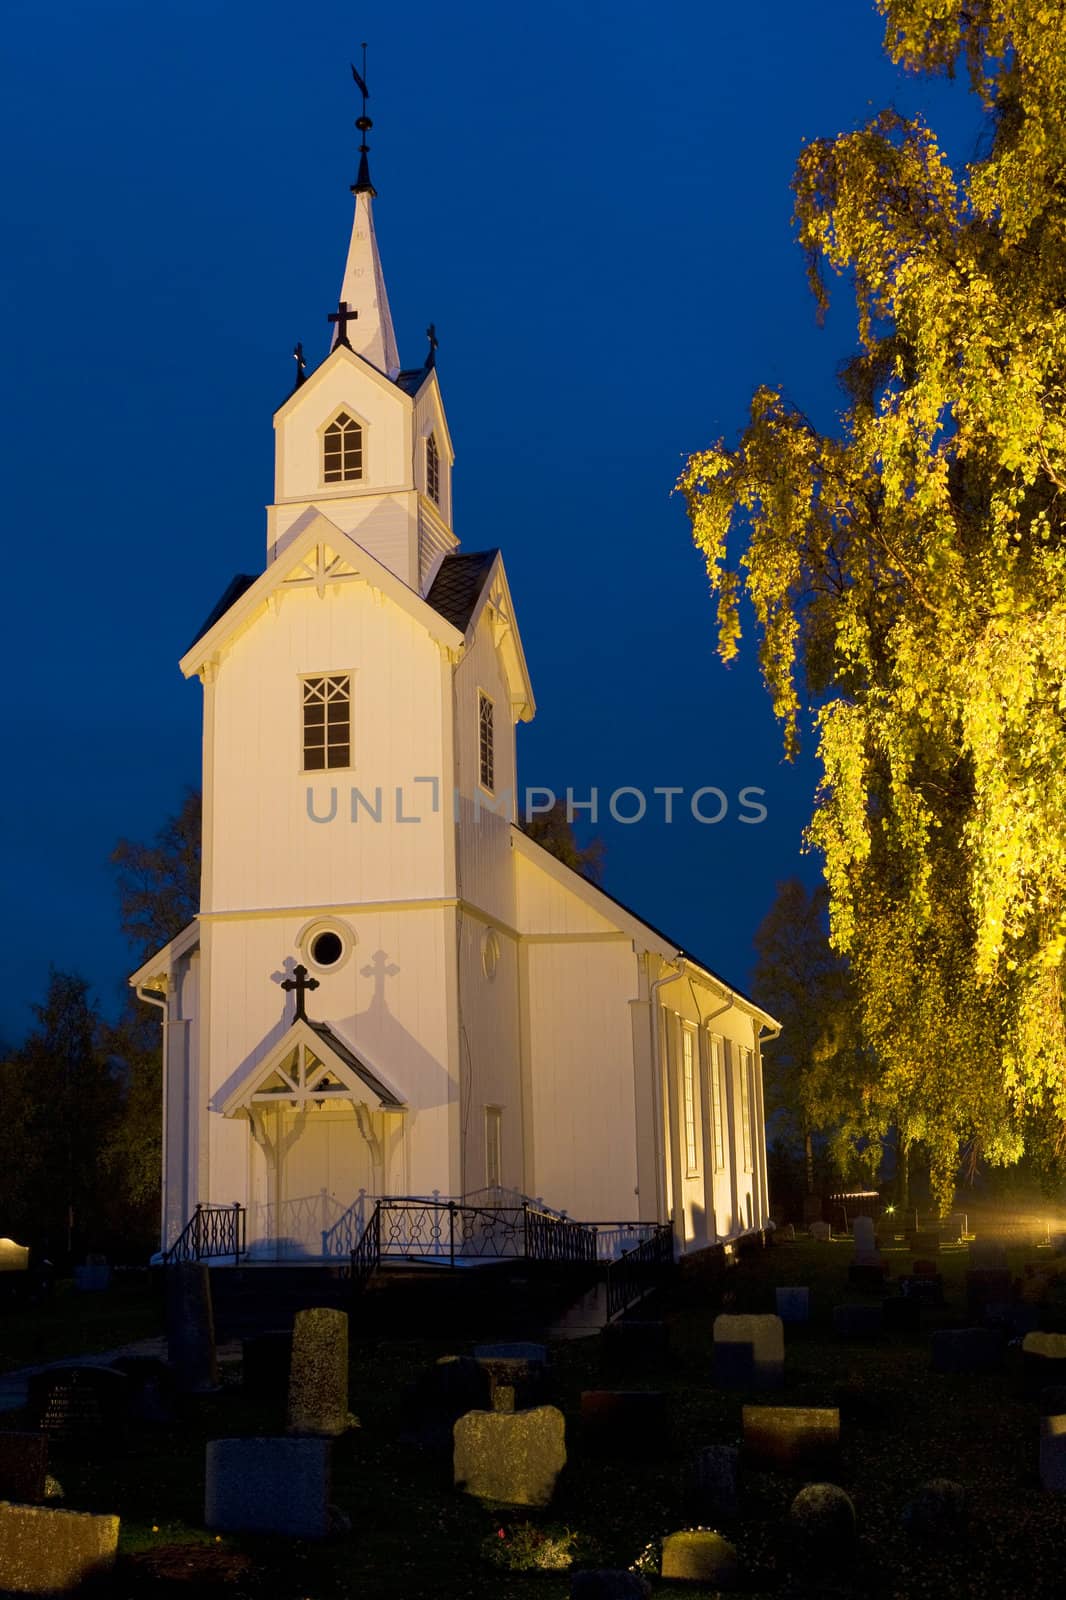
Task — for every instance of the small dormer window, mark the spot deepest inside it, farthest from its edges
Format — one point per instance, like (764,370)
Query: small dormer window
(342,450)
(433,469)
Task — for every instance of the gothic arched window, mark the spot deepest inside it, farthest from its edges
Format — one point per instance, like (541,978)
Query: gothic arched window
(433,469)
(342,450)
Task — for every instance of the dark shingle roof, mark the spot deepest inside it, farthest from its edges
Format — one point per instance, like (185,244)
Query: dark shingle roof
(456,589)
(350,1059)
(412,380)
(232,593)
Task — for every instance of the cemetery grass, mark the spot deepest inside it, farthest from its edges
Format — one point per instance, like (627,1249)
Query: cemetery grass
(71,1324)
(413,1537)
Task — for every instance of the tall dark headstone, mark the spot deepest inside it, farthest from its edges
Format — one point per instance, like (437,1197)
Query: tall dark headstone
(191,1327)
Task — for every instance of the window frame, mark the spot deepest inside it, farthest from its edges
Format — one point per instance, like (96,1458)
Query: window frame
(485,699)
(342,485)
(747,1146)
(716,1055)
(432,469)
(690,1107)
(313,677)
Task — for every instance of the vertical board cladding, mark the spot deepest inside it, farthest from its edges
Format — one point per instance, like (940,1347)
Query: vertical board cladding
(286,837)
(488,976)
(733,1134)
(581,1045)
(435,540)
(380,524)
(388,998)
(486,871)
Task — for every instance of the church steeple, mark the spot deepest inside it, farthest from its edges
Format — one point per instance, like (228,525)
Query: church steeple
(370,333)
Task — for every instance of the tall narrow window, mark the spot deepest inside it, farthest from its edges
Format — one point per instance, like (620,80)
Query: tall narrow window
(716,1102)
(744,1069)
(327,722)
(433,469)
(342,450)
(688,1087)
(486,752)
(493,1162)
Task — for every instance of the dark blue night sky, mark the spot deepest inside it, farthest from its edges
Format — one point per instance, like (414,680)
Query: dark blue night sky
(590,200)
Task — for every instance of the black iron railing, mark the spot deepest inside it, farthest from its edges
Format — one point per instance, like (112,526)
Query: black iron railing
(549,1238)
(639,1270)
(211,1232)
(366,1256)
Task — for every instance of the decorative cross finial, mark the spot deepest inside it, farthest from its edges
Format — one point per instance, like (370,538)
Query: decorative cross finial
(362,184)
(301,365)
(431,335)
(342,316)
(301,982)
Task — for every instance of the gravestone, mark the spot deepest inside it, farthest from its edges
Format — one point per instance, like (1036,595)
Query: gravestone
(822,1517)
(793,1305)
(609,1584)
(749,1351)
(265,1361)
(510,1459)
(46,1551)
(868,1275)
(191,1327)
(988,1255)
(699,1556)
(526,1379)
(634,1346)
(93,1278)
(710,1486)
(786,1234)
(923,1241)
(276,1486)
(1053,1453)
(936,1510)
(901,1314)
(865,1236)
(820,1231)
(967,1350)
(985,1286)
(928,1289)
(318,1373)
(78,1402)
(441,1395)
(791,1438)
(858,1322)
(14,1257)
(503,1398)
(1043,1360)
(151,1389)
(23,1466)
(625,1421)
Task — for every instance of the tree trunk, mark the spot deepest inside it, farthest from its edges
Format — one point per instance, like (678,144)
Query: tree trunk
(903,1171)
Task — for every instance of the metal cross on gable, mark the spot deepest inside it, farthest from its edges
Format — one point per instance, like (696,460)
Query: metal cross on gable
(301,981)
(342,316)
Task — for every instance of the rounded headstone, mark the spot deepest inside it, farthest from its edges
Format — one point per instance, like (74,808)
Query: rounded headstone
(700,1556)
(938,1508)
(823,1515)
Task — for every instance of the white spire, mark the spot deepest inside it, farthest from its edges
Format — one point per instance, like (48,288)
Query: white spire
(370,334)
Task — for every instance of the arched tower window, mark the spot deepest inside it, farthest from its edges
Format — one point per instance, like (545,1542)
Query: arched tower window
(342,450)
(433,469)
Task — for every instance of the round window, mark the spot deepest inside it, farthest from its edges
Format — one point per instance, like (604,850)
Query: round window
(326,948)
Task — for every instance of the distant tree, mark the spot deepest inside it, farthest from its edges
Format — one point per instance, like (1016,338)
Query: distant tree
(555,832)
(68,1101)
(159,883)
(132,1155)
(804,983)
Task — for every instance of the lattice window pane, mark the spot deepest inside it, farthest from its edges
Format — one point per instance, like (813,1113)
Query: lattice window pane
(486,751)
(342,450)
(432,469)
(327,723)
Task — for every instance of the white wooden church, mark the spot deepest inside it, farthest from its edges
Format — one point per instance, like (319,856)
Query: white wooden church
(390,989)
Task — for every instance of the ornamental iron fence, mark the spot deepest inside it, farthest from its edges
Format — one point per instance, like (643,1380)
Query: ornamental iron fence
(210,1233)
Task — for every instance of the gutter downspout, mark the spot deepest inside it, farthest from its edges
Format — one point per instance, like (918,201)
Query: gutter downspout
(163,1002)
(771,1033)
(658,1086)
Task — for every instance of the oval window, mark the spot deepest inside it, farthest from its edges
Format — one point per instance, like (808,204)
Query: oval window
(490,953)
